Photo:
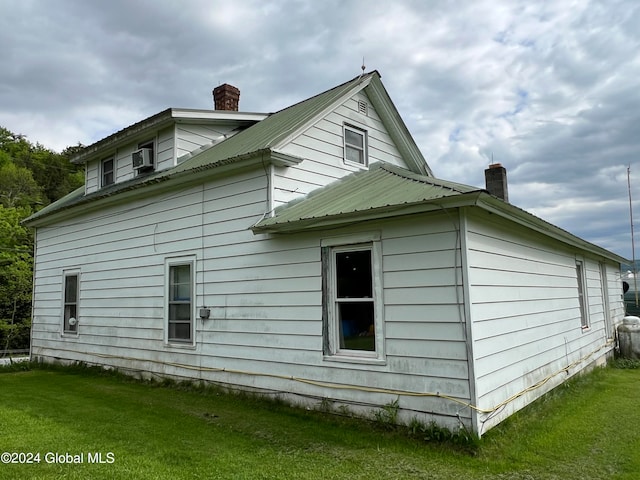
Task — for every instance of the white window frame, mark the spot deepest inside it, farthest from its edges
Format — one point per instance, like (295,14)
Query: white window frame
(66,329)
(168,301)
(349,146)
(583,300)
(104,172)
(608,327)
(331,329)
(152,144)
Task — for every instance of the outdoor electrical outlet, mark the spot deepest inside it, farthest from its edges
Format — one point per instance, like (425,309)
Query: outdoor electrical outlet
(205,313)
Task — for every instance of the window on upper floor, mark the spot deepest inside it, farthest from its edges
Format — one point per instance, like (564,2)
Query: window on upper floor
(145,158)
(107,171)
(355,146)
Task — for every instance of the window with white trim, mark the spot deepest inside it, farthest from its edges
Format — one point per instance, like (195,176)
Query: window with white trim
(605,300)
(70,297)
(582,294)
(107,168)
(151,146)
(352,300)
(355,145)
(180,301)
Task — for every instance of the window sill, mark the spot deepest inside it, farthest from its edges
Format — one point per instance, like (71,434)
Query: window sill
(355,165)
(180,346)
(351,359)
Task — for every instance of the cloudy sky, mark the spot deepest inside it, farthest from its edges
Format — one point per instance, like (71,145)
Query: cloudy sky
(548,89)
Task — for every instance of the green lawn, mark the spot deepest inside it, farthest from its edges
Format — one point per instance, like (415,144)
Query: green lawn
(589,429)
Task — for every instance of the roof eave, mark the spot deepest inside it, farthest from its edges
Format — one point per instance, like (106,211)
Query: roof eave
(164,119)
(193,175)
(506,210)
(479,198)
(342,219)
(396,127)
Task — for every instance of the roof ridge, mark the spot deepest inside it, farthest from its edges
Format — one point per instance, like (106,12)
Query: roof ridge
(416,177)
(369,74)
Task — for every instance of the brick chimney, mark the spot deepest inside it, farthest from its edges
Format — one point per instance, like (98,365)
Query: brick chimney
(496,180)
(226,97)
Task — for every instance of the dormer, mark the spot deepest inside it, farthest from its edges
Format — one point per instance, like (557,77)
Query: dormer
(163,140)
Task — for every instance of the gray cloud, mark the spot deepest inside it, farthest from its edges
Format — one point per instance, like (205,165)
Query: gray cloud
(546,88)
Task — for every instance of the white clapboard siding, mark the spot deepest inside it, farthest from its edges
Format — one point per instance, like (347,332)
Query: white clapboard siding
(526,322)
(265,296)
(165,149)
(165,156)
(323,142)
(92,177)
(190,137)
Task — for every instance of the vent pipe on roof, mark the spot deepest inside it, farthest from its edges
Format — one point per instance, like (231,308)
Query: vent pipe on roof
(226,97)
(496,181)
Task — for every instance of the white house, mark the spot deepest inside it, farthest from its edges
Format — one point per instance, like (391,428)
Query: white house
(312,252)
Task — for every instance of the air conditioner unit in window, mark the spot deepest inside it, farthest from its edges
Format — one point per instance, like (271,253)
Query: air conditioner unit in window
(142,158)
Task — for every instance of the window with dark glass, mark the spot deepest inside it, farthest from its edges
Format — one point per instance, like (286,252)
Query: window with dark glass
(354,302)
(582,294)
(180,323)
(107,172)
(70,310)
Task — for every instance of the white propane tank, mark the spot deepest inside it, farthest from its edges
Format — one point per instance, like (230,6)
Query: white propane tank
(629,337)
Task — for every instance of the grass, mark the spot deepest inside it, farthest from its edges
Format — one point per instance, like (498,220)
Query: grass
(587,429)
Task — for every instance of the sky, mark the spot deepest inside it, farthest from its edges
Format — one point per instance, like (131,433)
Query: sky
(548,89)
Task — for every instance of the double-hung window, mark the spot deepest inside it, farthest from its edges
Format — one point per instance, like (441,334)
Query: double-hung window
(582,294)
(355,145)
(352,301)
(180,301)
(108,171)
(605,300)
(70,299)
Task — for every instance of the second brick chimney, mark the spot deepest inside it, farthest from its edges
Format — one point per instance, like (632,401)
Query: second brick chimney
(226,97)
(496,181)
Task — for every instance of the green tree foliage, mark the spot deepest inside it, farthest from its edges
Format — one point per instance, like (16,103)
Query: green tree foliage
(31,176)
(16,264)
(52,171)
(17,187)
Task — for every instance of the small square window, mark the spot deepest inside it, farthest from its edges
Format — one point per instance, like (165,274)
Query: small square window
(108,172)
(355,145)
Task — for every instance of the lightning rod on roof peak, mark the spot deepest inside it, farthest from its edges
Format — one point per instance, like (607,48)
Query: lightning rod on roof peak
(362,67)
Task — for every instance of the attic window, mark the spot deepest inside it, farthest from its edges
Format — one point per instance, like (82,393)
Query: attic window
(355,145)
(362,107)
(145,153)
(107,171)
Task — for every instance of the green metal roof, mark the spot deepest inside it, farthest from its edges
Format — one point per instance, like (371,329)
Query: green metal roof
(258,139)
(383,187)
(389,191)
(267,133)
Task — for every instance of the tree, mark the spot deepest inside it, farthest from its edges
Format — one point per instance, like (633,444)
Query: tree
(17,187)
(16,264)
(30,176)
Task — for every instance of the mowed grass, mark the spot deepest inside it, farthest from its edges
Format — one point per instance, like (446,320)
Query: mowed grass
(589,429)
